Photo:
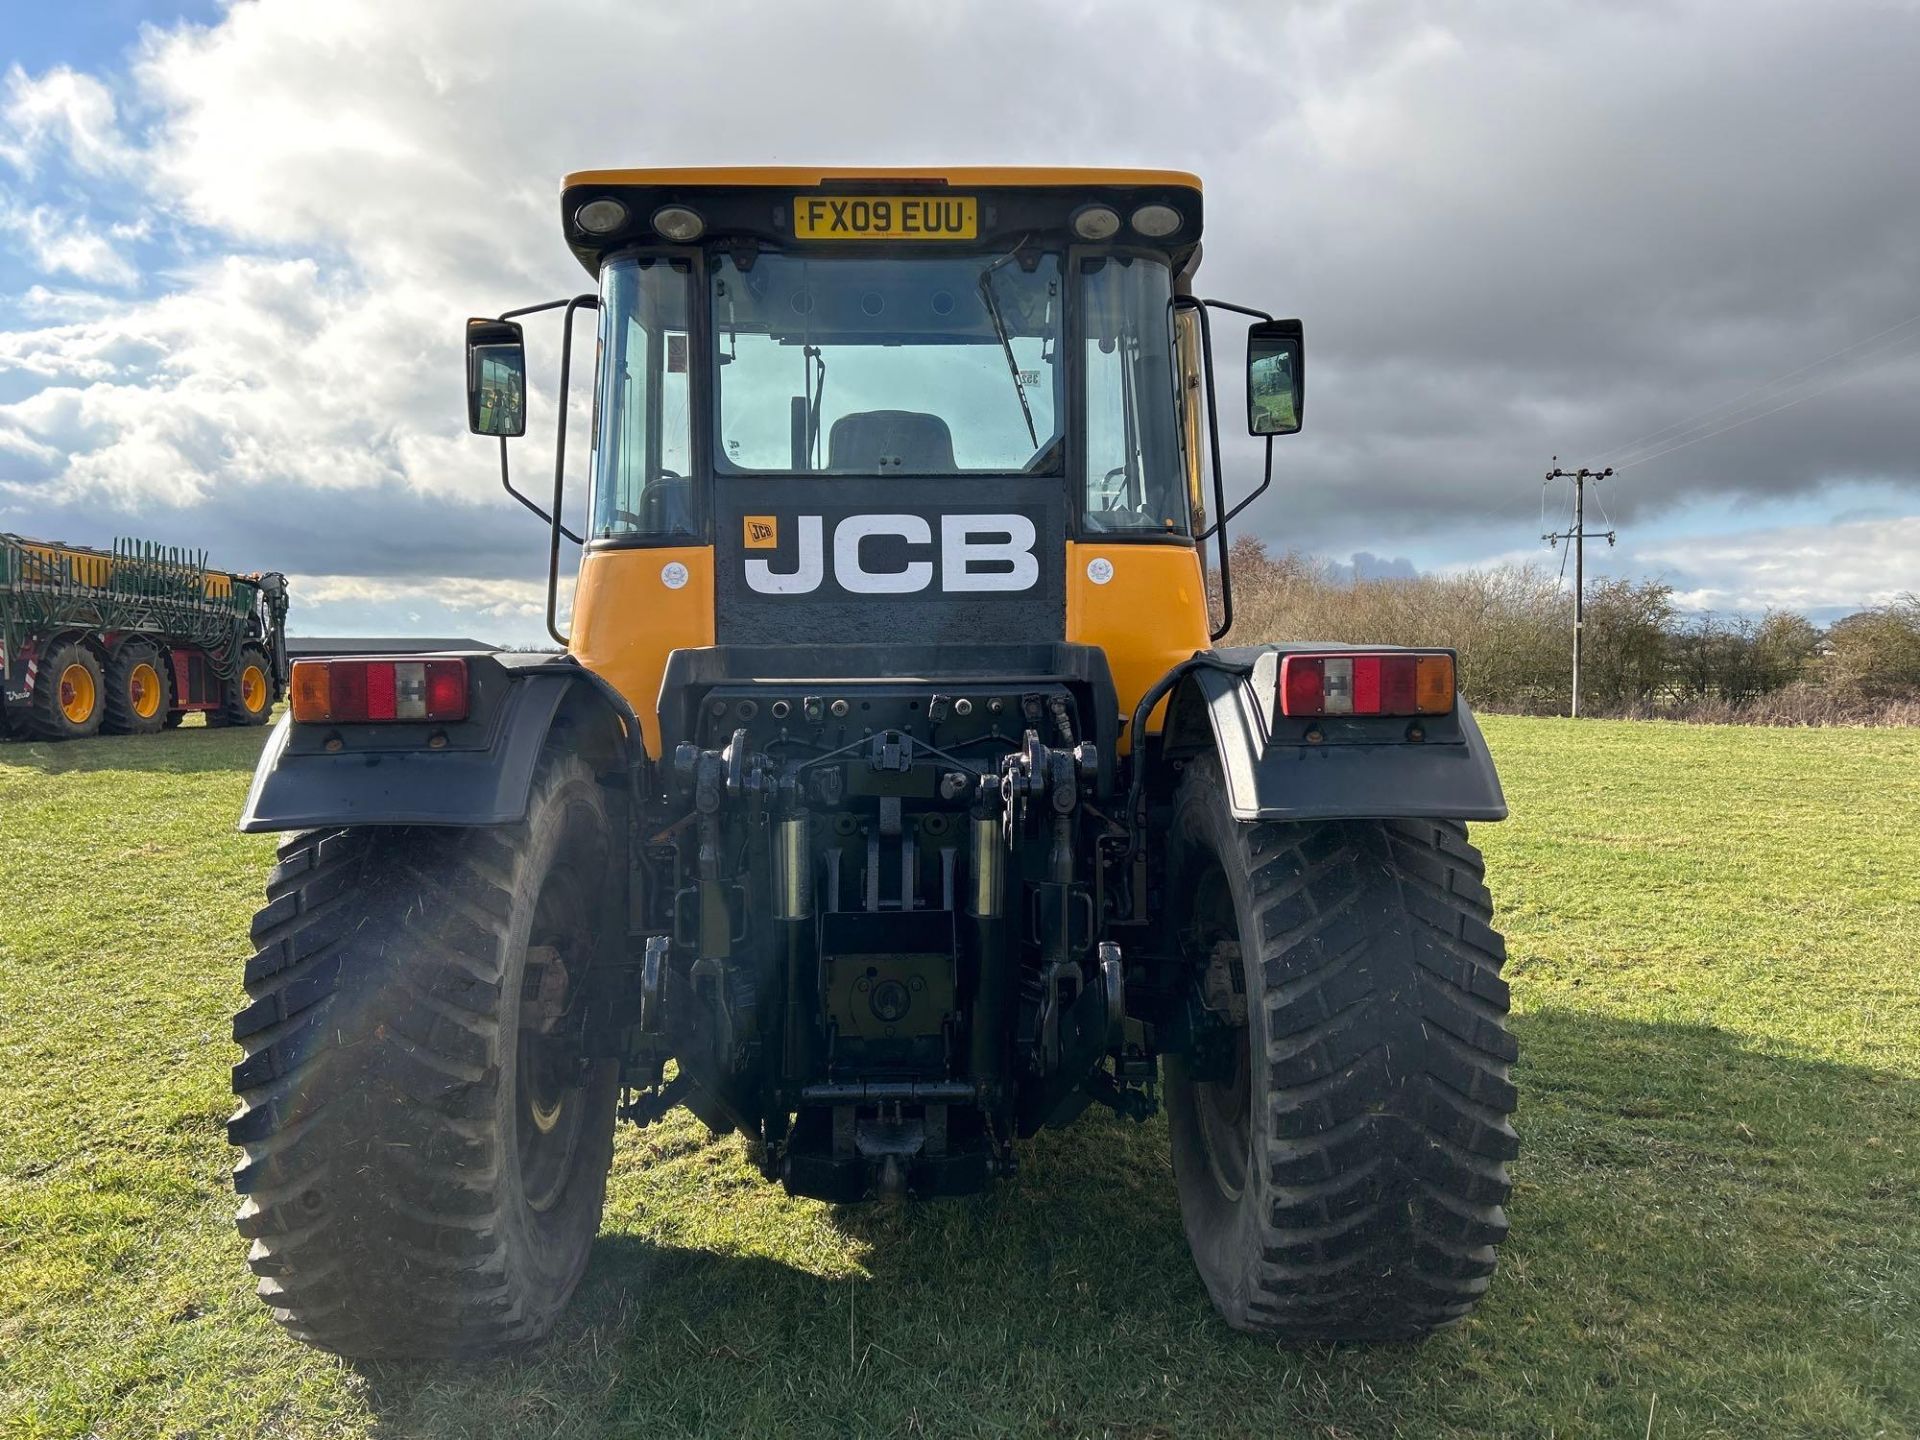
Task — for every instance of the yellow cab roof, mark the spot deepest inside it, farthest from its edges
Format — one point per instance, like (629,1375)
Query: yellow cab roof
(809,177)
(747,203)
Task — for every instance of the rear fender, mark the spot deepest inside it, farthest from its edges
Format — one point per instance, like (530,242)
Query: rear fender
(1359,768)
(480,772)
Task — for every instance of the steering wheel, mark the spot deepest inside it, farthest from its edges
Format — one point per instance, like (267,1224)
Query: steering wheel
(640,522)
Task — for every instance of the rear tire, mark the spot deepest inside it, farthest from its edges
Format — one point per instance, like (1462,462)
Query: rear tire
(139,695)
(249,691)
(1347,1181)
(426,1160)
(69,694)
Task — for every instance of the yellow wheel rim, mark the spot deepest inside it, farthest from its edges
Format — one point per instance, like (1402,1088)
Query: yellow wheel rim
(77,694)
(253,688)
(143,690)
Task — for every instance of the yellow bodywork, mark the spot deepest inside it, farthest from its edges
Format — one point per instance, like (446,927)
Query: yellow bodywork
(628,617)
(1150,614)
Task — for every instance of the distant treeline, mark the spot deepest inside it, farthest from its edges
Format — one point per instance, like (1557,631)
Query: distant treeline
(1513,625)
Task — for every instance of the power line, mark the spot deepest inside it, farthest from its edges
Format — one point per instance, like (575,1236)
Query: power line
(1711,415)
(1683,443)
(1576,536)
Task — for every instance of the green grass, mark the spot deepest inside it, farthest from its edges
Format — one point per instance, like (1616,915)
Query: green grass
(1716,1213)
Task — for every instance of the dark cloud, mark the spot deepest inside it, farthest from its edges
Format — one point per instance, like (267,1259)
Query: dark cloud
(1512,231)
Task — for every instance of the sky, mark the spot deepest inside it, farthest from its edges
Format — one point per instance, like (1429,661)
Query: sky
(238,242)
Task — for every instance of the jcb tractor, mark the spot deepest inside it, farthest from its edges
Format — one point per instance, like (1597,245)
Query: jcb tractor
(890,801)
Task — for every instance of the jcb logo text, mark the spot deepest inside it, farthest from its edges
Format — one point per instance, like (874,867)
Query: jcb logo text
(974,553)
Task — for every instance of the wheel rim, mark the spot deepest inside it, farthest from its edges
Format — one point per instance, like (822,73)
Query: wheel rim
(550,1104)
(253,688)
(1223,1109)
(143,690)
(549,1113)
(1225,1113)
(77,694)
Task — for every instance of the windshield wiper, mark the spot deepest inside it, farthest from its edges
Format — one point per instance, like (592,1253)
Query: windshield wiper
(1006,345)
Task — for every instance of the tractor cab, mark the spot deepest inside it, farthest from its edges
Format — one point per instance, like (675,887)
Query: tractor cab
(975,398)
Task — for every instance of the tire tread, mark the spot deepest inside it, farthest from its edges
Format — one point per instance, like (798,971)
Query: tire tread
(1386,1175)
(374,993)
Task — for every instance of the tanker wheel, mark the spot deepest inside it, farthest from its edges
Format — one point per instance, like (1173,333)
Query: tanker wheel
(138,695)
(69,693)
(427,1145)
(1341,1153)
(249,692)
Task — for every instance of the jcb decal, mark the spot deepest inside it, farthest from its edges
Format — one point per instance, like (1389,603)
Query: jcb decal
(760,532)
(975,553)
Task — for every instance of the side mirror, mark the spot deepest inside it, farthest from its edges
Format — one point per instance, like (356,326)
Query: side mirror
(496,378)
(1276,377)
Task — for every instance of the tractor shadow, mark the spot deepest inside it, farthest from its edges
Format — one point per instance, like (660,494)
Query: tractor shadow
(1065,1303)
(192,749)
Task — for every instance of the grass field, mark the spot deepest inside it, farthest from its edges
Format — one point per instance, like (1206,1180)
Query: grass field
(1714,936)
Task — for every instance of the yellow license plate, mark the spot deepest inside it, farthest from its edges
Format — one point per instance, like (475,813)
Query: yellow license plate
(885,217)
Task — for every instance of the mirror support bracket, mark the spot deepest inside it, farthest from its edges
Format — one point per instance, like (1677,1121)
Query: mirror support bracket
(1218,530)
(506,477)
(578,302)
(527,500)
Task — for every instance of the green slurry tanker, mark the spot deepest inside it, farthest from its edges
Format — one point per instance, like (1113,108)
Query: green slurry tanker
(133,639)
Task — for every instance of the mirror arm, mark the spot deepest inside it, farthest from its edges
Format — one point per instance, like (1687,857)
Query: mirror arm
(1265,481)
(531,309)
(507,485)
(578,302)
(1236,309)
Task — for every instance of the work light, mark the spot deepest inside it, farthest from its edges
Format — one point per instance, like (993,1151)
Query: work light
(600,217)
(678,224)
(1156,222)
(1096,222)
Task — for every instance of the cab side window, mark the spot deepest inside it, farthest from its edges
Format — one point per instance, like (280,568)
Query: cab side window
(643,486)
(1135,480)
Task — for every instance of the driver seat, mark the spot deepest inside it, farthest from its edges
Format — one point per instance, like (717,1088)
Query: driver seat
(890,442)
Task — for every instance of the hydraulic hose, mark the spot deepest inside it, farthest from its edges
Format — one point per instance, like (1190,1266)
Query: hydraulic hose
(1136,788)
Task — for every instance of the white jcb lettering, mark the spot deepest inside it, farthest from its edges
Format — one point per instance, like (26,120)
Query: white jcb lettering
(853,576)
(809,566)
(977,553)
(1010,545)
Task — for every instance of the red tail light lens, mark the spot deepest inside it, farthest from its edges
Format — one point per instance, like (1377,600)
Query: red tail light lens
(348,692)
(447,689)
(1409,683)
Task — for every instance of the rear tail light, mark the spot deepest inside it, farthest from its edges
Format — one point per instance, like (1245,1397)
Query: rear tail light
(1408,683)
(350,692)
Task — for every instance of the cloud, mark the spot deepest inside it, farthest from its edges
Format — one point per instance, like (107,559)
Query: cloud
(1823,569)
(67,243)
(495,599)
(62,111)
(1363,565)
(1511,232)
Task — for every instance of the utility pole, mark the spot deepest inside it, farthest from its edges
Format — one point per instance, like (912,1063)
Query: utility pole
(1577,537)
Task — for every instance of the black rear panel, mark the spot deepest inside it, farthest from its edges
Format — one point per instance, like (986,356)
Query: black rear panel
(810,560)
